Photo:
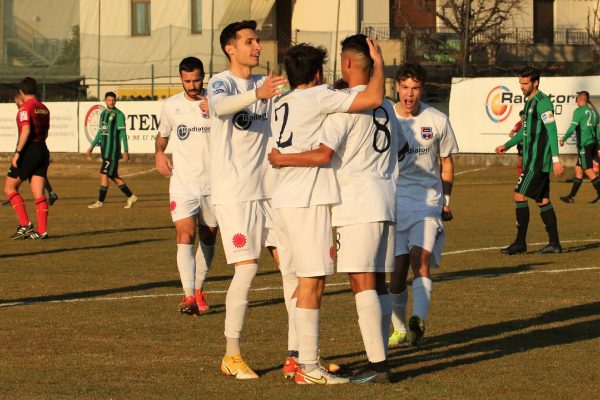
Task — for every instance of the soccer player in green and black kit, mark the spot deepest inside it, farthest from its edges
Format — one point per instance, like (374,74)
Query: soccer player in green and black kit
(540,156)
(584,124)
(111,133)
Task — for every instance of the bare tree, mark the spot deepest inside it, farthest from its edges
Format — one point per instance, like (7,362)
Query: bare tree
(478,23)
(593,23)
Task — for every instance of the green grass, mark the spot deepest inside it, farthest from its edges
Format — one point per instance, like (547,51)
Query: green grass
(93,312)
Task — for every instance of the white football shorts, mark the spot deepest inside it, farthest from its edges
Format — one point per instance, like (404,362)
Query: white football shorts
(185,205)
(366,247)
(246,228)
(423,229)
(305,240)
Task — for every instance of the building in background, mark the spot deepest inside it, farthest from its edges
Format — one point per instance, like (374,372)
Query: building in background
(82,48)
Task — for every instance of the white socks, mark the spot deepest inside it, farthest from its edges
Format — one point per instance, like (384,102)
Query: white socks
(369,320)
(290,283)
(307,326)
(236,302)
(399,310)
(187,267)
(204,256)
(421,297)
(386,318)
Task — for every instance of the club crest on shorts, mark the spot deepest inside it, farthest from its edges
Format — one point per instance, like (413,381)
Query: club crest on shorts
(239,240)
(172,206)
(426,133)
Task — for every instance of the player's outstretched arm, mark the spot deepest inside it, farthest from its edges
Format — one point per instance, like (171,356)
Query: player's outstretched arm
(271,87)
(447,173)
(226,104)
(162,161)
(372,96)
(312,158)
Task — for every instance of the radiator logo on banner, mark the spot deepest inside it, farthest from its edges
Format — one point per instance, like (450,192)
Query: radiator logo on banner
(496,106)
(90,124)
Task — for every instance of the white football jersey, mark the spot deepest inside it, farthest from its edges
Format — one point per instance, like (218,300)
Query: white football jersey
(296,123)
(188,130)
(366,153)
(429,136)
(240,143)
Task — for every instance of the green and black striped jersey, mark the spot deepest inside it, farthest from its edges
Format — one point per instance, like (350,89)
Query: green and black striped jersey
(111,132)
(538,134)
(585,120)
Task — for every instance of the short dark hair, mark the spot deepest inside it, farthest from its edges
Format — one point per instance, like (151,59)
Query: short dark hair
(340,84)
(302,62)
(190,64)
(229,33)
(358,44)
(110,94)
(414,71)
(28,86)
(530,72)
(585,94)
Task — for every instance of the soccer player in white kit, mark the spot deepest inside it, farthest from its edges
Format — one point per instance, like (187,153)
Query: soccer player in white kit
(239,107)
(422,200)
(363,149)
(303,196)
(187,127)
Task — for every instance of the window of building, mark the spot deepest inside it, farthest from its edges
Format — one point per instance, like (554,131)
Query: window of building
(140,17)
(196,16)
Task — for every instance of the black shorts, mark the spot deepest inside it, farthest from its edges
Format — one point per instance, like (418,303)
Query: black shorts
(520,149)
(534,185)
(33,160)
(110,167)
(586,155)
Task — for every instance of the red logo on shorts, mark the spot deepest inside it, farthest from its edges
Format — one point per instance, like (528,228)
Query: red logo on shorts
(173,205)
(332,253)
(239,240)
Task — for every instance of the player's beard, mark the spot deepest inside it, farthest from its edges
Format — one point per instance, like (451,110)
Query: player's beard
(193,93)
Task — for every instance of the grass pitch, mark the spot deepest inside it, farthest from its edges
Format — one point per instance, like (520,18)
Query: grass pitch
(91,313)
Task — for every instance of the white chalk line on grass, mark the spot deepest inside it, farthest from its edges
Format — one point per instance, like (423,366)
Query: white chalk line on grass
(138,173)
(468,171)
(501,247)
(268,288)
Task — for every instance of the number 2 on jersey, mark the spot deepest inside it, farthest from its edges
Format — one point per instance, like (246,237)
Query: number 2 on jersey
(286,111)
(381,127)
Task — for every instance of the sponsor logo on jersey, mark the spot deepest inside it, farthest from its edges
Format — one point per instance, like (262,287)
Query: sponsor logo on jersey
(239,240)
(23,116)
(104,128)
(218,84)
(90,124)
(426,133)
(183,131)
(418,150)
(497,109)
(243,119)
(548,117)
(218,91)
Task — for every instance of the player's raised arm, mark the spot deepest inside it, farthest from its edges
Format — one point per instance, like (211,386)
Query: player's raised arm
(372,96)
